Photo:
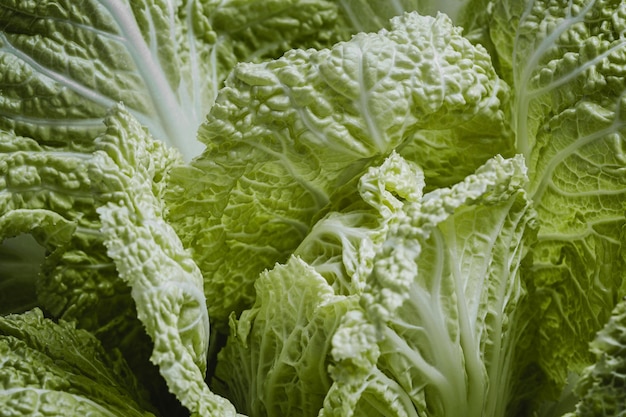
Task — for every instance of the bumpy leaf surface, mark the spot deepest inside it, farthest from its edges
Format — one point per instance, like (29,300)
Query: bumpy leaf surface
(285,137)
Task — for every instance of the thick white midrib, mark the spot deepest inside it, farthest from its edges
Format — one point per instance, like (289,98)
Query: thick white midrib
(171,117)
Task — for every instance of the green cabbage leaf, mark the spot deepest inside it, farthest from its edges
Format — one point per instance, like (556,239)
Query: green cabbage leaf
(418,316)
(312,207)
(53,368)
(567,74)
(288,139)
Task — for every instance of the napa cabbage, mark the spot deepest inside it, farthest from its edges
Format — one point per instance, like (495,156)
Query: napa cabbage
(312,208)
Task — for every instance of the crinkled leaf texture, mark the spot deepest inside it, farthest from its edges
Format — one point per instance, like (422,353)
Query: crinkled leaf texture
(101,217)
(445,290)
(69,64)
(288,138)
(430,326)
(566,64)
(46,192)
(64,64)
(56,369)
(276,358)
(166,284)
(601,388)
(341,245)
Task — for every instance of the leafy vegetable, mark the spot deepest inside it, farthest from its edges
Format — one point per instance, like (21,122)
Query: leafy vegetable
(601,386)
(443,332)
(285,135)
(166,285)
(54,369)
(164,60)
(312,207)
(568,71)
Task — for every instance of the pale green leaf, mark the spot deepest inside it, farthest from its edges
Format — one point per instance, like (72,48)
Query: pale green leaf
(288,137)
(566,65)
(445,290)
(275,362)
(601,388)
(56,369)
(166,284)
(64,64)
